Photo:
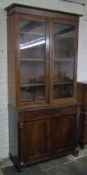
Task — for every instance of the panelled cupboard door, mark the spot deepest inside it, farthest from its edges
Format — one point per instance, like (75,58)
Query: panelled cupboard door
(33,139)
(63,61)
(62,134)
(33,60)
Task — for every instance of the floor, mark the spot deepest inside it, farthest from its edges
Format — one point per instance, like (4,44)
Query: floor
(61,166)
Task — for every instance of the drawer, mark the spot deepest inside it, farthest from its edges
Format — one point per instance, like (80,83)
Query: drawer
(34,114)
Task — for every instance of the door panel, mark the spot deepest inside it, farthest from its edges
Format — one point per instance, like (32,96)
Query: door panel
(34,140)
(62,133)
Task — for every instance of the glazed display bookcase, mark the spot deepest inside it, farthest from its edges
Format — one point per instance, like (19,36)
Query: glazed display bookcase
(42,69)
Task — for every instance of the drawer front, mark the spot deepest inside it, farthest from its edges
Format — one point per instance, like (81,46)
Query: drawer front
(34,114)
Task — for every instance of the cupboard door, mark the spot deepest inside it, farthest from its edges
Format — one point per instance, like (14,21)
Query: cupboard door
(63,61)
(33,38)
(33,141)
(62,134)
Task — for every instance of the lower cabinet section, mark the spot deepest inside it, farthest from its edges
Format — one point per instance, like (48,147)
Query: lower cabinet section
(46,133)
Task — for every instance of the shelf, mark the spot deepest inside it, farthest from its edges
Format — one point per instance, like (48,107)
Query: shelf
(31,33)
(66,96)
(63,36)
(26,59)
(31,100)
(32,84)
(55,60)
(63,83)
(41,84)
(70,59)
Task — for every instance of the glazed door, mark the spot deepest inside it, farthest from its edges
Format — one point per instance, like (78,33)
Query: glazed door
(33,44)
(63,61)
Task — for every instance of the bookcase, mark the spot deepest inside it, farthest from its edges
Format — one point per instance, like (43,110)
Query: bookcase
(42,69)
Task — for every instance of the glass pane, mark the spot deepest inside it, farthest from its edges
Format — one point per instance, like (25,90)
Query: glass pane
(63,37)
(32,60)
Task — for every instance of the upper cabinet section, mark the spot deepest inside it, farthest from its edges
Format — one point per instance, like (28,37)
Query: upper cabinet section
(45,54)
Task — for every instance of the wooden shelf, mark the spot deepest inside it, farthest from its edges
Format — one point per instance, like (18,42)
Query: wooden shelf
(30,100)
(55,60)
(63,83)
(32,33)
(32,84)
(26,59)
(64,59)
(41,84)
